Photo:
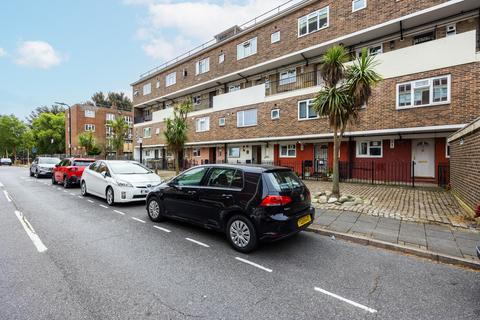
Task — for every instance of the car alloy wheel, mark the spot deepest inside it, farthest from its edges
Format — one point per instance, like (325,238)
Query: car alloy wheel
(83,188)
(240,233)
(154,210)
(110,196)
(65,182)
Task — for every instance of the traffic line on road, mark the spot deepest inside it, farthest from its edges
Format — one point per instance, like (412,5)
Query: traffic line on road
(31,232)
(353,303)
(1,185)
(253,264)
(65,191)
(80,197)
(163,229)
(198,242)
(72,194)
(119,212)
(139,220)
(7,196)
(91,201)
(58,188)
(103,206)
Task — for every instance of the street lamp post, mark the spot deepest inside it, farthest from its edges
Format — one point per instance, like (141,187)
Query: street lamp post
(69,127)
(140,142)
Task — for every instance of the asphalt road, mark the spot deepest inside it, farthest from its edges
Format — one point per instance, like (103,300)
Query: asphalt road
(63,256)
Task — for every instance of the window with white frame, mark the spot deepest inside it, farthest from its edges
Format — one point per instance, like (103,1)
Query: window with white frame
(197,99)
(148,153)
(147,89)
(110,117)
(158,84)
(202,124)
(221,122)
(196,152)
(372,50)
(147,132)
(306,110)
(447,149)
(233,87)
(221,58)
(275,37)
(234,152)
(128,120)
(358,5)
(288,151)
(424,37)
(247,118)
(275,114)
(247,48)
(202,66)
(89,113)
(424,92)
(171,79)
(451,30)
(109,131)
(90,127)
(369,149)
(313,22)
(288,76)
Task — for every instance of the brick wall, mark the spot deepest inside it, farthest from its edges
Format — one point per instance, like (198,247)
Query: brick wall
(465,168)
(340,23)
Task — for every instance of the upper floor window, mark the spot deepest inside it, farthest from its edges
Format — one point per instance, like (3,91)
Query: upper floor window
(221,122)
(233,87)
(275,114)
(89,113)
(275,37)
(197,100)
(110,117)
(221,58)
(451,30)
(202,66)
(128,120)
(171,79)
(288,76)
(147,89)
(247,118)
(369,149)
(147,132)
(371,50)
(202,124)
(425,92)
(109,131)
(158,84)
(424,37)
(90,127)
(247,48)
(358,5)
(313,22)
(306,110)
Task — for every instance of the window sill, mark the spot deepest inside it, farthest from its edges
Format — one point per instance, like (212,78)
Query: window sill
(443,103)
(368,157)
(251,125)
(306,34)
(307,119)
(291,157)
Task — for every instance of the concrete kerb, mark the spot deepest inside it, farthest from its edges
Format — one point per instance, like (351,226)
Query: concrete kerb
(431,255)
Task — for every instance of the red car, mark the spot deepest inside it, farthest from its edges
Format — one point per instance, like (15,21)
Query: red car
(69,171)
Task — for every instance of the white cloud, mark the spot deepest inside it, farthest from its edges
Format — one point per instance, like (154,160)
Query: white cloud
(169,29)
(2,52)
(37,54)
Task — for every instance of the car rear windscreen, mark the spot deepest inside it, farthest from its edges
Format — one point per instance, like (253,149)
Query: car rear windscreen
(82,163)
(284,180)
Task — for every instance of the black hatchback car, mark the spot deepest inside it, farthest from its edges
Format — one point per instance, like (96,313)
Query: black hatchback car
(248,203)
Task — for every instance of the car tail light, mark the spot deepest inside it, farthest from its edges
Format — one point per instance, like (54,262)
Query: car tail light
(271,201)
(72,169)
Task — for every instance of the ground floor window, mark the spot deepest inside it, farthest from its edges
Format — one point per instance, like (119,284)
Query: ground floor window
(196,152)
(288,151)
(234,152)
(369,149)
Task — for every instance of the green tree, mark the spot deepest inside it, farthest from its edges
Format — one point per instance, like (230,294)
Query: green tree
(12,130)
(119,132)
(55,109)
(49,133)
(177,129)
(87,141)
(120,100)
(347,89)
(99,100)
(27,143)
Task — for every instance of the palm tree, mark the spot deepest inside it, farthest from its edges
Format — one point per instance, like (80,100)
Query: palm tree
(176,130)
(347,89)
(119,132)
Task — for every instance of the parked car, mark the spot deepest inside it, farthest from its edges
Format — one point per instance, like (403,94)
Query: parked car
(43,166)
(248,203)
(118,181)
(5,162)
(69,171)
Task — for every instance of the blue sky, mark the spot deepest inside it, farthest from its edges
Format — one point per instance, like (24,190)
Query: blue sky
(58,50)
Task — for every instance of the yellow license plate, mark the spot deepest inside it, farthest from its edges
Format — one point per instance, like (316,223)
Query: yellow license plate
(304,220)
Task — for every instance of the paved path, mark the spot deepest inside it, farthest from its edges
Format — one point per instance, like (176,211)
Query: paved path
(113,263)
(419,204)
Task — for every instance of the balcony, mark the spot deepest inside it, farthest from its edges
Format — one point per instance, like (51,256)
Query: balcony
(143,118)
(244,97)
(302,81)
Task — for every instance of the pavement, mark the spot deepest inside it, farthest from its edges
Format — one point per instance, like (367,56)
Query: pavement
(64,256)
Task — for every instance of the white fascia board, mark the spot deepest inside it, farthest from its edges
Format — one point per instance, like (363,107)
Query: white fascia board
(467,129)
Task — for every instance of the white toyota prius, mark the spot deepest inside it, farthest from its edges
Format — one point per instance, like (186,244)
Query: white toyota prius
(118,181)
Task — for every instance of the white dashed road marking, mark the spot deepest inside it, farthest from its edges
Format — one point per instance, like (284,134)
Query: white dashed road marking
(80,197)
(163,229)
(90,201)
(31,232)
(103,206)
(119,212)
(72,194)
(1,185)
(353,303)
(198,242)
(139,220)
(253,264)
(7,196)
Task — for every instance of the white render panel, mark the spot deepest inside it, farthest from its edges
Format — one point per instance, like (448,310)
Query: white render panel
(244,97)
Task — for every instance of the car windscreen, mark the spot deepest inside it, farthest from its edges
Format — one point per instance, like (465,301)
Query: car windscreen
(48,160)
(284,180)
(128,168)
(82,163)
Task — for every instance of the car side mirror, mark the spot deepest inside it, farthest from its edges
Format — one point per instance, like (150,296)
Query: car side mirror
(104,174)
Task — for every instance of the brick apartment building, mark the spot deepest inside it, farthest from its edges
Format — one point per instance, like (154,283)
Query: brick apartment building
(252,86)
(89,118)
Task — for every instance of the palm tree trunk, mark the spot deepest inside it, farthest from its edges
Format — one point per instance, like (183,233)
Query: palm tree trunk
(177,162)
(336,173)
